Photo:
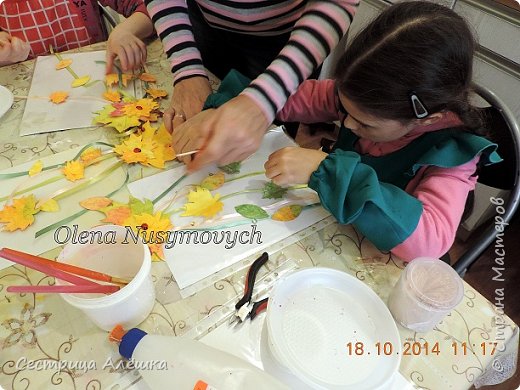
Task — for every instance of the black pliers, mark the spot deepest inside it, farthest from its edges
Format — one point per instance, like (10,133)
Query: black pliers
(244,309)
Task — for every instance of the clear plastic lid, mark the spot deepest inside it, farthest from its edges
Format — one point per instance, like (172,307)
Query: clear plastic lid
(434,283)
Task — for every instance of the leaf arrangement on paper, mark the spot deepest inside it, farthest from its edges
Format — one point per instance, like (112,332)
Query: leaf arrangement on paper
(21,206)
(151,222)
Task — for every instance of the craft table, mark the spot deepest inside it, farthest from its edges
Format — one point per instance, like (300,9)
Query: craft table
(43,328)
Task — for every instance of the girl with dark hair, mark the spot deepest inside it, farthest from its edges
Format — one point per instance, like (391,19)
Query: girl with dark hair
(408,148)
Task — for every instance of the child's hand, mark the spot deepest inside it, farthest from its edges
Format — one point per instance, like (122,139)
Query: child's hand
(293,165)
(12,49)
(130,50)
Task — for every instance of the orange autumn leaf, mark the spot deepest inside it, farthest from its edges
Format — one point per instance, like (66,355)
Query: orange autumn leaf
(157,251)
(111,79)
(80,81)
(95,203)
(63,64)
(74,170)
(58,97)
(112,96)
(156,93)
(90,155)
(147,77)
(117,214)
(20,214)
(126,78)
(287,213)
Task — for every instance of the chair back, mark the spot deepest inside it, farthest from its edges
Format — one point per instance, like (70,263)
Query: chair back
(505,131)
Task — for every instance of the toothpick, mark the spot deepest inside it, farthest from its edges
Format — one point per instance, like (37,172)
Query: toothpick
(187,153)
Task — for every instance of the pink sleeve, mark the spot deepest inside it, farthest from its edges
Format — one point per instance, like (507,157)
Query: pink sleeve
(314,101)
(126,7)
(443,193)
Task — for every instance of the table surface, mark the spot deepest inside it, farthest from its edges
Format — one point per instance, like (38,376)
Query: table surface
(44,328)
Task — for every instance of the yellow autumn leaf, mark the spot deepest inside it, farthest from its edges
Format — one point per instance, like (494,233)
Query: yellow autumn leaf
(36,168)
(202,204)
(148,226)
(147,77)
(111,79)
(20,214)
(122,123)
(80,81)
(63,63)
(90,155)
(50,206)
(74,170)
(213,181)
(135,150)
(164,138)
(287,213)
(140,108)
(58,97)
(156,93)
(95,203)
(112,96)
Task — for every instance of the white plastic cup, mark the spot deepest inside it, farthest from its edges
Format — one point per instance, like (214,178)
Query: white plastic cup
(117,257)
(426,292)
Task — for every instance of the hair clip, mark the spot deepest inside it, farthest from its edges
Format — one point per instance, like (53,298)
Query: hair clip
(418,107)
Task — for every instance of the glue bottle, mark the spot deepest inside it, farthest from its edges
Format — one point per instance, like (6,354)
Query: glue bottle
(167,362)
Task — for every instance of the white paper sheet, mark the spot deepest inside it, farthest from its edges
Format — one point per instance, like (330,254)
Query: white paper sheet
(25,240)
(191,262)
(42,116)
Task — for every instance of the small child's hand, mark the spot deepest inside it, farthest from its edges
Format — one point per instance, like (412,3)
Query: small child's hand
(293,165)
(130,50)
(12,49)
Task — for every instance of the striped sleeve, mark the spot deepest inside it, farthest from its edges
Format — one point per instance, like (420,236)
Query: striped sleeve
(172,23)
(313,37)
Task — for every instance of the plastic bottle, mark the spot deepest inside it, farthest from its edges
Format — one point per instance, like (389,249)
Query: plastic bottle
(167,362)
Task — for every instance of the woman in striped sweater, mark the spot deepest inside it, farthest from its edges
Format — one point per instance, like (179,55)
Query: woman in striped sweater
(277,43)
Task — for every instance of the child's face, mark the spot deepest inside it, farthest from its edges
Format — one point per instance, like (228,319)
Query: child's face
(369,127)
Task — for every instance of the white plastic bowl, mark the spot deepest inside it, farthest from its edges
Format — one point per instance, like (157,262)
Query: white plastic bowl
(131,304)
(314,313)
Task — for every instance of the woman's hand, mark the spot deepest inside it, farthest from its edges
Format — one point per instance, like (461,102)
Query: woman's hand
(185,139)
(293,165)
(187,101)
(230,133)
(12,49)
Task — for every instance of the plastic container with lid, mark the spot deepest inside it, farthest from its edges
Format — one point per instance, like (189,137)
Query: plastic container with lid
(426,292)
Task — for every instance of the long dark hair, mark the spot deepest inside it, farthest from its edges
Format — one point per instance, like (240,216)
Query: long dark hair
(418,47)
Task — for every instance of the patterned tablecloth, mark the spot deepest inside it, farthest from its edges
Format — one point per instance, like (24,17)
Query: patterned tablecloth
(42,328)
